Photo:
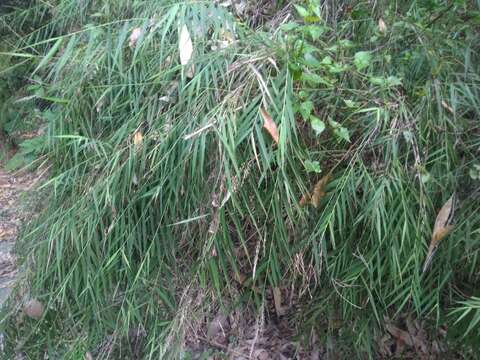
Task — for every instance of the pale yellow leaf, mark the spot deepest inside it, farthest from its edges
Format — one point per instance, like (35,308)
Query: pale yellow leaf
(319,190)
(448,107)
(441,228)
(381,25)
(317,193)
(138,139)
(185,47)
(443,220)
(269,125)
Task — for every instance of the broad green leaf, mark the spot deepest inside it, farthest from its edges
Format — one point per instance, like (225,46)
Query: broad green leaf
(289,26)
(385,82)
(394,81)
(337,68)
(312,166)
(302,11)
(317,125)
(302,94)
(315,79)
(425,177)
(311,61)
(327,60)
(362,59)
(339,130)
(345,43)
(474,172)
(332,48)
(377,80)
(315,31)
(342,133)
(350,103)
(16,162)
(306,109)
(334,124)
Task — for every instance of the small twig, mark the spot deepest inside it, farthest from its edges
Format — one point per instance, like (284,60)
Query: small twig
(196,132)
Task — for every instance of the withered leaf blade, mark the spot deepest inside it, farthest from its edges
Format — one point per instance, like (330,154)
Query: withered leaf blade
(277,299)
(239,277)
(217,326)
(443,226)
(319,190)
(444,217)
(409,339)
(306,199)
(134,36)
(185,47)
(448,107)
(138,139)
(381,25)
(269,124)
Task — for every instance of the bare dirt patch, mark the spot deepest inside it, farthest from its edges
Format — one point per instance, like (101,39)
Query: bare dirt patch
(14,189)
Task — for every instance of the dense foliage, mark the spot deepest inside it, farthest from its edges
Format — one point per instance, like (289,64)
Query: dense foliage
(165,189)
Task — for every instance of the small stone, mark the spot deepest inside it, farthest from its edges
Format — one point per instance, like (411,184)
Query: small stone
(34,309)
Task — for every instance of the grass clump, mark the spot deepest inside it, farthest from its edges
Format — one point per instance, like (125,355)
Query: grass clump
(169,200)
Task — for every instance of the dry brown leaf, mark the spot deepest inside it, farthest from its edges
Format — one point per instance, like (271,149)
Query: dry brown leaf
(277,299)
(407,338)
(400,334)
(269,125)
(34,309)
(185,47)
(319,190)
(134,36)
(218,326)
(335,323)
(381,25)
(306,199)
(239,277)
(137,139)
(441,228)
(242,280)
(317,194)
(444,217)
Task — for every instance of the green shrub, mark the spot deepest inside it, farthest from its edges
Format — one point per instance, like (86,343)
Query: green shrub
(160,179)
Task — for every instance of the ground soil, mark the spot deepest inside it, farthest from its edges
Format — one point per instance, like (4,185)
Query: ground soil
(15,187)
